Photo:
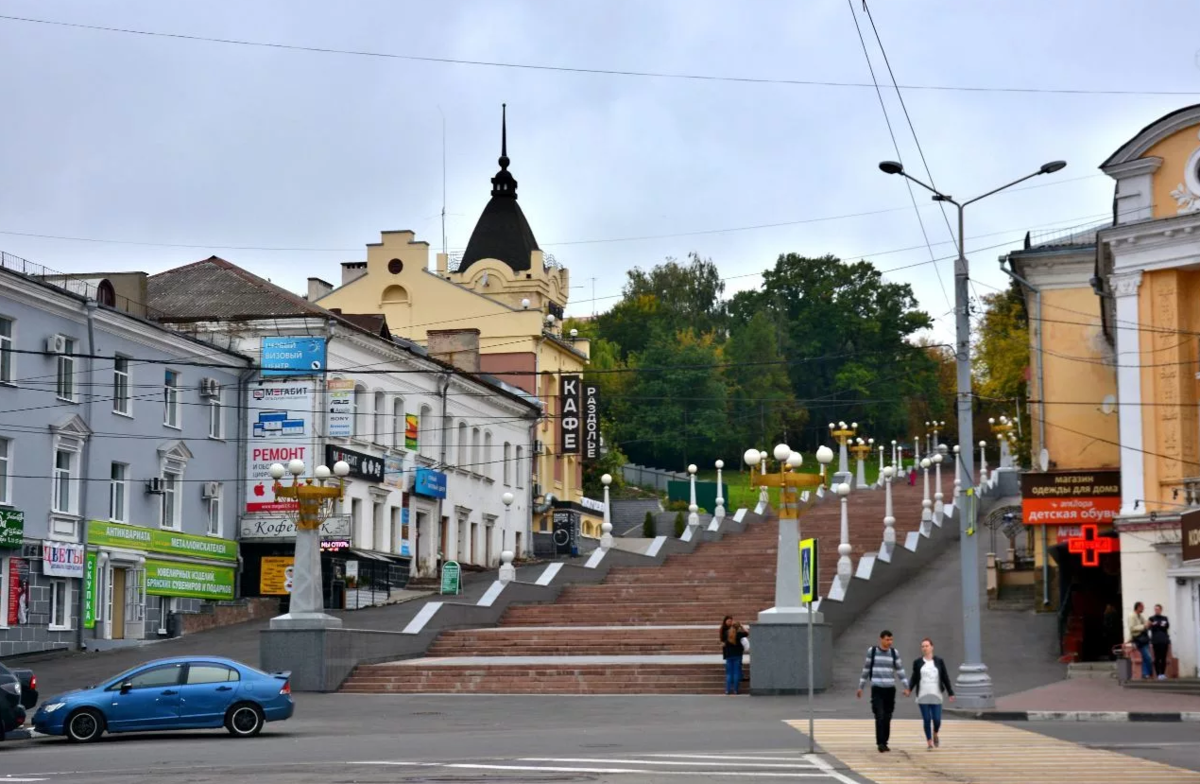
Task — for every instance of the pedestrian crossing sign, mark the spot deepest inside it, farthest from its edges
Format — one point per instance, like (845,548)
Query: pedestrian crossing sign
(808,571)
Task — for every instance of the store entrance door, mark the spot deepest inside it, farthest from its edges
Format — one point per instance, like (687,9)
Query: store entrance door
(116,603)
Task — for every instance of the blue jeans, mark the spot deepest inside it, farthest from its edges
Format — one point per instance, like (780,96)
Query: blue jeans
(931,715)
(733,674)
(1147,660)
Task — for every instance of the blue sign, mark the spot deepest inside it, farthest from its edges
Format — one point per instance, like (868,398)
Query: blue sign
(808,571)
(293,356)
(430,483)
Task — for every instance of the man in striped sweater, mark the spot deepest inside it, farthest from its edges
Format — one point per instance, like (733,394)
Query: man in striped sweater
(881,668)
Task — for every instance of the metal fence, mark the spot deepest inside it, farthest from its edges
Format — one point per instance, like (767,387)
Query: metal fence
(657,478)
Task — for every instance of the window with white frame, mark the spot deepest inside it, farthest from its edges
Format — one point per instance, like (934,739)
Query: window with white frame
(380,411)
(507,465)
(475,446)
(118,493)
(121,385)
(171,398)
(399,425)
(427,432)
(60,605)
(5,473)
(464,446)
(64,481)
(66,371)
(213,512)
(358,414)
(485,465)
(6,350)
(216,417)
(170,515)
(520,463)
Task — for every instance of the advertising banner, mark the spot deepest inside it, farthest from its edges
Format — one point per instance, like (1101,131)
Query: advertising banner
(1189,524)
(362,466)
(189,581)
(412,430)
(62,560)
(568,420)
(430,483)
(281,529)
(156,540)
(1069,498)
(12,528)
(280,420)
(293,356)
(275,575)
(18,592)
(340,394)
(591,422)
(89,591)
(393,471)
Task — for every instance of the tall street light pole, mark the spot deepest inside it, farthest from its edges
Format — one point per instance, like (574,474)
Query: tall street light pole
(973,683)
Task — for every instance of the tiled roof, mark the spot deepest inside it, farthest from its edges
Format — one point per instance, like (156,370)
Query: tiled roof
(216,289)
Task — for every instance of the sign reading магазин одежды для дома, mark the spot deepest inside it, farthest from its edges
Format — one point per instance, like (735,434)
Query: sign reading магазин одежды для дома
(1070,497)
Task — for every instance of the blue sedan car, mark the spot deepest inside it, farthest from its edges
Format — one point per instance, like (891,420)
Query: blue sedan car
(171,694)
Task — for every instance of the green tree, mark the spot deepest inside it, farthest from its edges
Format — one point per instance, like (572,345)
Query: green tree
(762,407)
(1000,362)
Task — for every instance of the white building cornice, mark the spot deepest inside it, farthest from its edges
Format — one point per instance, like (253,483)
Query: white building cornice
(1147,246)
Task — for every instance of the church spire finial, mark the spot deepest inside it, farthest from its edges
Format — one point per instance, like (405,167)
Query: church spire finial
(503,136)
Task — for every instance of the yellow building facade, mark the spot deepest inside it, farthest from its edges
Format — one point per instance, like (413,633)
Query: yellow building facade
(1115,333)
(503,300)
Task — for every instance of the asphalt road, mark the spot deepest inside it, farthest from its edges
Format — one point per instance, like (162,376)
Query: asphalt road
(626,740)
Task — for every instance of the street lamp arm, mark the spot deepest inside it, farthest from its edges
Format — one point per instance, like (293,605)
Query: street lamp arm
(941,196)
(1005,187)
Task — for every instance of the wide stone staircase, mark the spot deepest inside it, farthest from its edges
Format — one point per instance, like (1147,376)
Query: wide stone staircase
(645,629)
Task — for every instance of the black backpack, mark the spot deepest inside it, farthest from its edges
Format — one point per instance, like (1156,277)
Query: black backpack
(895,661)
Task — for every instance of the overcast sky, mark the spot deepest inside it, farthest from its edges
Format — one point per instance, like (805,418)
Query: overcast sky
(151,141)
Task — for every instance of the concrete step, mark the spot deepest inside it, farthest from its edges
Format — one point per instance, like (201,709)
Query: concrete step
(567,679)
(1094,670)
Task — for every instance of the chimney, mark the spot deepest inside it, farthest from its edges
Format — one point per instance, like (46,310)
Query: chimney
(318,288)
(443,264)
(352,271)
(458,347)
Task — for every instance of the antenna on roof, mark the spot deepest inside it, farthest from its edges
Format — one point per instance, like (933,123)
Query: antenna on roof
(444,252)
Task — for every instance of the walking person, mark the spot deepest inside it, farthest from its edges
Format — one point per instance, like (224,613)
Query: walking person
(732,636)
(1139,635)
(1160,640)
(881,669)
(931,682)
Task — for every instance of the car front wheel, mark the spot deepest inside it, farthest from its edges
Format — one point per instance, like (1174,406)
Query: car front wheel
(85,726)
(244,720)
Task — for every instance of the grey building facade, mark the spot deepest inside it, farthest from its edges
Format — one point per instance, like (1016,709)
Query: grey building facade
(119,466)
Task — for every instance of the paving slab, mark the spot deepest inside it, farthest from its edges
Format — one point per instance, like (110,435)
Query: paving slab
(1097,694)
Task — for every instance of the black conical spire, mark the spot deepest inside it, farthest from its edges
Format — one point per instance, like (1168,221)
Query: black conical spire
(504,184)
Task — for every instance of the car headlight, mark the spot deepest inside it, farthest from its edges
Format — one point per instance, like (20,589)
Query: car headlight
(53,706)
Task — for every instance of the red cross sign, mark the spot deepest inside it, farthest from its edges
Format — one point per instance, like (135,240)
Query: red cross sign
(1090,545)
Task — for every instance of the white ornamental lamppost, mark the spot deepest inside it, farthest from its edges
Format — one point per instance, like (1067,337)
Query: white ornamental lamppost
(958,472)
(719,512)
(794,461)
(606,537)
(926,504)
(844,567)
(508,572)
(693,509)
(824,457)
(889,519)
(938,497)
(764,495)
(880,457)
(916,451)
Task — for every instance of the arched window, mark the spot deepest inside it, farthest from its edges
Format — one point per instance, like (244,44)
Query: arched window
(475,447)
(464,447)
(398,422)
(485,465)
(380,410)
(427,439)
(395,295)
(358,414)
(507,463)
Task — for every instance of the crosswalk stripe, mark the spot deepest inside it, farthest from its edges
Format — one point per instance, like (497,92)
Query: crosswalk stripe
(974,752)
(692,773)
(706,763)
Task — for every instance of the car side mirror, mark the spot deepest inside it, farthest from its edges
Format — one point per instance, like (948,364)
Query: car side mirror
(126,687)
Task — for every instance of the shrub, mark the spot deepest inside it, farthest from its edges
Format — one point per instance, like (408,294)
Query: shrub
(649,530)
(677,506)
(680,523)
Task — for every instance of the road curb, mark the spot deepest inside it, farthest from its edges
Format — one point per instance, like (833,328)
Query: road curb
(1111,716)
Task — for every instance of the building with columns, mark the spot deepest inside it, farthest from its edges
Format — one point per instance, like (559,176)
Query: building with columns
(511,295)
(1137,331)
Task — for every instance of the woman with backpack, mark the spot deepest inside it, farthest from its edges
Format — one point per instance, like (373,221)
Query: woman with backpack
(732,636)
(931,683)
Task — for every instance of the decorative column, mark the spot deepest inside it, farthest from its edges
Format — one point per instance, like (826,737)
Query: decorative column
(982,463)
(764,495)
(926,504)
(861,450)
(916,451)
(938,497)
(787,607)
(606,537)
(894,458)
(693,516)
(508,572)
(889,519)
(1128,362)
(881,459)
(719,512)
(314,505)
(844,568)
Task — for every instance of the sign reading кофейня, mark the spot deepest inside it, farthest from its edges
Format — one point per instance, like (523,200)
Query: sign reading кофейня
(1070,497)
(133,537)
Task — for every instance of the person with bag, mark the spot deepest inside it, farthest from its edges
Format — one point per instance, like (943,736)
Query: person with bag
(881,669)
(1160,640)
(931,682)
(734,641)
(1140,637)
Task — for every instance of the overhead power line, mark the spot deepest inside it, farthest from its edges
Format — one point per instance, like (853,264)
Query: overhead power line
(764,80)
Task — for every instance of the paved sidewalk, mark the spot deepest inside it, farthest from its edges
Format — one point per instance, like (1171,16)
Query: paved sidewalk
(1097,694)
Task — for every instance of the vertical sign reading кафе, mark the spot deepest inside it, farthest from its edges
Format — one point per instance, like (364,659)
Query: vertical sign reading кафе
(568,420)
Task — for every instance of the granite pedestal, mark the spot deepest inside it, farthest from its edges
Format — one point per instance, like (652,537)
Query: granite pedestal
(779,658)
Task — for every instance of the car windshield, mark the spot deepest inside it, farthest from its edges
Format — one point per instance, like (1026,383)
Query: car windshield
(124,676)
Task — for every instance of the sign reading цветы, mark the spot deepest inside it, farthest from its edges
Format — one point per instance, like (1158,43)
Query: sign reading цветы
(1070,497)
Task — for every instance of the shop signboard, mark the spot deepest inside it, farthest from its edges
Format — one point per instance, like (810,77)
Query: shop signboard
(155,540)
(430,483)
(293,356)
(362,465)
(189,580)
(280,420)
(18,592)
(12,528)
(60,559)
(340,408)
(591,422)
(1070,498)
(451,578)
(275,575)
(89,590)
(412,431)
(282,529)
(334,545)
(393,471)
(1189,524)
(568,420)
